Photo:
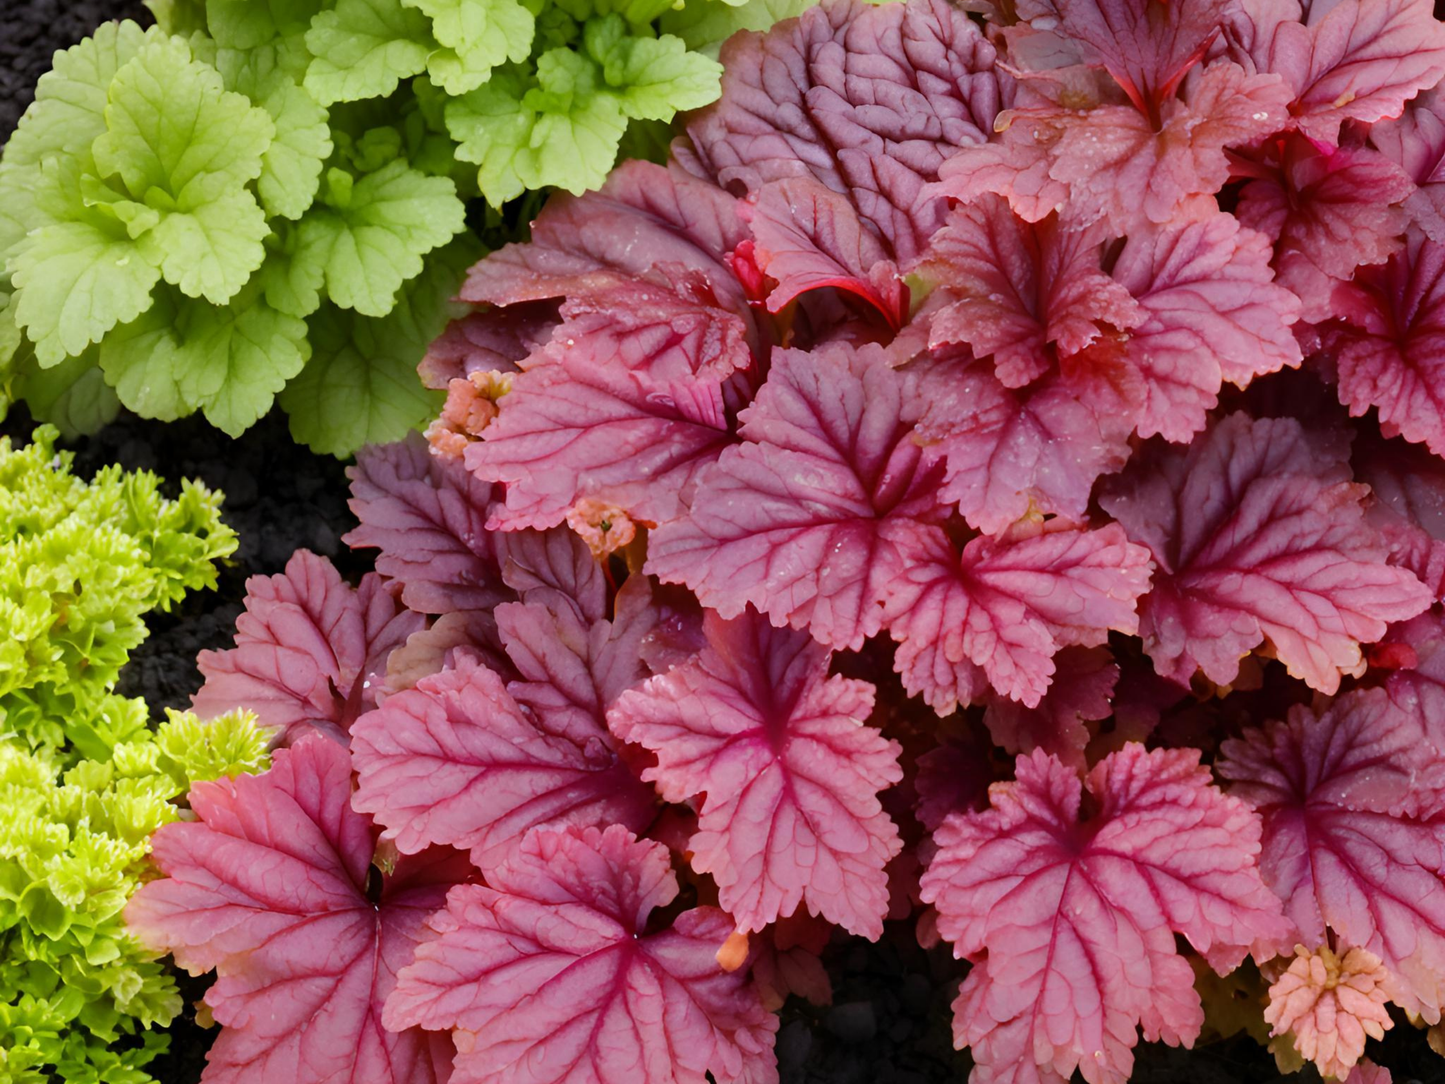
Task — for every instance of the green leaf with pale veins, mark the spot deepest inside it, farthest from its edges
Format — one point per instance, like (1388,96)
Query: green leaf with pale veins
(75,282)
(228,360)
(704,25)
(364,48)
(212,251)
(656,78)
(73,396)
(372,232)
(172,126)
(476,36)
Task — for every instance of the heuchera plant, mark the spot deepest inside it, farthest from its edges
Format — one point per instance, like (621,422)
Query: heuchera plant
(927,407)
(235,206)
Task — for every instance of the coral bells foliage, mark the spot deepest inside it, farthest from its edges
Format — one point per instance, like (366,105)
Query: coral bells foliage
(989,476)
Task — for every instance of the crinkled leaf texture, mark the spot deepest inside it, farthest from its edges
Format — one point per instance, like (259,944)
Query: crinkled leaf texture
(310,650)
(1258,533)
(269,887)
(1071,924)
(469,760)
(550,974)
(1352,844)
(790,771)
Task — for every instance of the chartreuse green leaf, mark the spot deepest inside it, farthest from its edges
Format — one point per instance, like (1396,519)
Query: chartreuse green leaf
(364,48)
(229,361)
(703,25)
(655,78)
(475,36)
(368,234)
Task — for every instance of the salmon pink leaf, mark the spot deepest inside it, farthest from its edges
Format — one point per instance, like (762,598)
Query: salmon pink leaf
(1356,60)
(551,973)
(1211,313)
(1081,691)
(268,886)
(1072,923)
(457,760)
(1387,350)
(580,428)
(428,518)
(869,100)
(809,519)
(1328,1004)
(1328,211)
(1259,534)
(789,771)
(1003,610)
(1020,292)
(808,237)
(1343,845)
(310,650)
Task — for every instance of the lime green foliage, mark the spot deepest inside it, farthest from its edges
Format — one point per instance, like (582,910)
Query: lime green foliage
(81,564)
(227,209)
(76,991)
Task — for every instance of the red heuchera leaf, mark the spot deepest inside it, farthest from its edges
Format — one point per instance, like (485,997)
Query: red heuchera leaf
(457,760)
(1258,533)
(869,100)
(1352,60)
(550,974)
(310,650)
(1135,170)
(269,887)
(1342,846)
(581,427)
(1002,610)
(1019,292)
(491,341)
(1416,143)
(953,777)
(1389,349)
(1409,505)
(785,961)
(1418,690)
(1072,924)
(789,772)
(1010,451)
(808,237)
(1210,313)
(428,518)
(810,519)
(1081,691)
(1328,211)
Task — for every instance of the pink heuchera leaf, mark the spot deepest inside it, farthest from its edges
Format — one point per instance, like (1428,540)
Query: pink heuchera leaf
(582,428)
(1004,609)
(1135,170)
(789,770)
(1416,143)
(310,650)
(491,341)
(1328,211)
(1258,533)
(869,100)
(1418,690)
(1409,506)
(810,519)
(1019,292)
(1009,451)
(1072,924)
(1367,1072)
(549,974)
(1352,60)
(1389,349)
(457,760)
(428,518)
(1342,844)
(1211,313)
(1081,691)
(1332,1004)
(809,237)
(269,888)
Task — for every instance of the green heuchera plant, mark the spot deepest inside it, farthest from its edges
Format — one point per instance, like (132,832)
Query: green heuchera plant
(81,564)
(258,198)
(78,995)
